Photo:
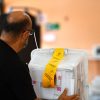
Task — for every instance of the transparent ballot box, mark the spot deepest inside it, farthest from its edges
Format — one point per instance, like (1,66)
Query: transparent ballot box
(72,73)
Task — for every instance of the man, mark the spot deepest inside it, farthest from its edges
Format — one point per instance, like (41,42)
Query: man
(15,80)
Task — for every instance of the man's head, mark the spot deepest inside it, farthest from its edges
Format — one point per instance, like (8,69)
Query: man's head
(16,29)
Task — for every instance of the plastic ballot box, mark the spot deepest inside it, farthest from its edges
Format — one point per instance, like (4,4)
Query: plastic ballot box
(71,73)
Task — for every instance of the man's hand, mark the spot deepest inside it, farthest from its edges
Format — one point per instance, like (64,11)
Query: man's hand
(64,96)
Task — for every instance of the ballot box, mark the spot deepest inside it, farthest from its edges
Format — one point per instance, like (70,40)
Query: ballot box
(71,73)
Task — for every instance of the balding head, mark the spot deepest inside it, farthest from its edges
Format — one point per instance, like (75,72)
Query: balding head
(16,22)
(16,29)
(17,16)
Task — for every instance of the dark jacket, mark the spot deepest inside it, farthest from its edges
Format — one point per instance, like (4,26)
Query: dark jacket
(15,80)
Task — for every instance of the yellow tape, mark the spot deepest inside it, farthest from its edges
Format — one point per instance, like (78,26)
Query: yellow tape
(48,78)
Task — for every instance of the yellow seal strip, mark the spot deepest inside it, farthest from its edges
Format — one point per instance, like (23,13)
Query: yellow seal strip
(48,78)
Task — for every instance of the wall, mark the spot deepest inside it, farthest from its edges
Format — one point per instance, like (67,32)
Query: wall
(82,25)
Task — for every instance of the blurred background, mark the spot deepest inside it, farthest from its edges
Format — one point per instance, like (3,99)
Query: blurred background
(64,23)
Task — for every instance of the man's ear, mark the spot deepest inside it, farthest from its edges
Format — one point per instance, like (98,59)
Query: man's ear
(24,35)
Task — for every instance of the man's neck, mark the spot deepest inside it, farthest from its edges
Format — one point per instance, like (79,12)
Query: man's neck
(11,42)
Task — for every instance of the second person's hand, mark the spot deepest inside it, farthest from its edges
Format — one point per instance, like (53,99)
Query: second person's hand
(64,96)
